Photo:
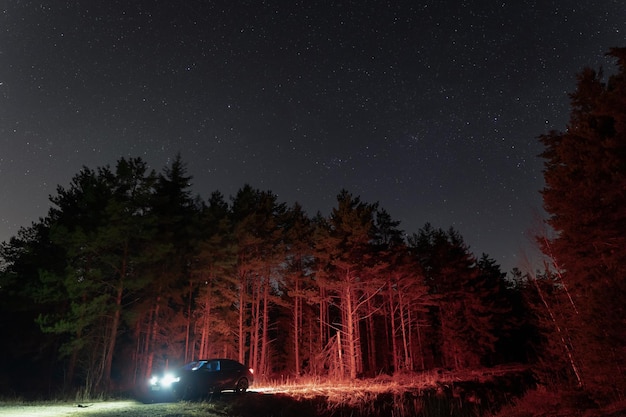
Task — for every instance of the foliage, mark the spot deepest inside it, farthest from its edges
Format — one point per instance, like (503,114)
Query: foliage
(585,175)
(130,273)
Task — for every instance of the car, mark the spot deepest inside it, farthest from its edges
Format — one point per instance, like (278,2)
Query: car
(203,377)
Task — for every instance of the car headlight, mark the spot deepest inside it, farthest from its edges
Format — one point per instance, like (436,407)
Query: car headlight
(169,379)
(165,381)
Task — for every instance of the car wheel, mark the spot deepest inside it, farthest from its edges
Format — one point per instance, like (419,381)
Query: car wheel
(242,385)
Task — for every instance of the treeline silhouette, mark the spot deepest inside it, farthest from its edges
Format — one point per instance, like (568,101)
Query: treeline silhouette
(130,272)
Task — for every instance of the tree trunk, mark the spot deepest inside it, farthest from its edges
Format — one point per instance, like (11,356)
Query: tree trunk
(256,327)
(137,355)
(242,336)
(350,331)
(108,359)
(342,371)
(409,325)
(188,329)
(371,337)
(419,342)
(206,323)
(73,359)
(264,339)
(323,321)
(566,346)
(152,335)
(392,316)
(405,342)
(297,323)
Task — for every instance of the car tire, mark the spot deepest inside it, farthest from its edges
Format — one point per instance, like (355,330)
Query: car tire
(242,385)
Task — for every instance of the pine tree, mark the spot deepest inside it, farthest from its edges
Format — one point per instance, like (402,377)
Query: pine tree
(257,228)
(585,176)
(492,306)
(175,218)
(22,299)
(100,222)
(341,246)
(215,274)
(464,318)
(298,283)
(403,303)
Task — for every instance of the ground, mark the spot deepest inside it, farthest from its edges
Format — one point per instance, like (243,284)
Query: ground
(250,404)
(102,409)
(488,393)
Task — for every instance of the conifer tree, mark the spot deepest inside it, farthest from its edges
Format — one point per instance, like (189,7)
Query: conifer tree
(298,283)
(174,214)
(257,230)
(22,299)
(450,273)
(100,222)
(215,273)
(492,309)
(585,176)
(341,246)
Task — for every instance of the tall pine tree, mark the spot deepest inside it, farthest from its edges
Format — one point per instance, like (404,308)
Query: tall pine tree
(101,223)
(585,195)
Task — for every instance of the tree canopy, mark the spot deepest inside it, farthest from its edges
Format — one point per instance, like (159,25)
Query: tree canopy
(585,196)
(130,272)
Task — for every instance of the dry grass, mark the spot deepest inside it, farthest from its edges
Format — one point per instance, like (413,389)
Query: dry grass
(402,395)
(397,384)
(430,393)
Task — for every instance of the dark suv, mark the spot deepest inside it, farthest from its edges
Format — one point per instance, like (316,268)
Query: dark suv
(203,377)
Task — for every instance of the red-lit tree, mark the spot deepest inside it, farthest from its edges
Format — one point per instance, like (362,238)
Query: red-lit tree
(337,296)
(585,175)
(162,326)
(341,245)
(464,318)
(407,298)
(215,283)
(298,283)
(402,302)
(257,227)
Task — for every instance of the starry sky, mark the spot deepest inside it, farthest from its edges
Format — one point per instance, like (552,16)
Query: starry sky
(431,108)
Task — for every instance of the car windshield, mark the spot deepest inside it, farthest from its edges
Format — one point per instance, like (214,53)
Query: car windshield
(192,366)
(211,366)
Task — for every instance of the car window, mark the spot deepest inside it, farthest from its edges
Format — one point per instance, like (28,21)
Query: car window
(213,366)
(192,366)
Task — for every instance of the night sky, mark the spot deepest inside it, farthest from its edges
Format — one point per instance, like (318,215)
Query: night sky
(431,108)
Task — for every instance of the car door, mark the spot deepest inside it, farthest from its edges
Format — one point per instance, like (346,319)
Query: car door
(230,374)
(212,374)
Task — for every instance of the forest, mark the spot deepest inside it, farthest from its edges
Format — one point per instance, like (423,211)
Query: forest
(130,272)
